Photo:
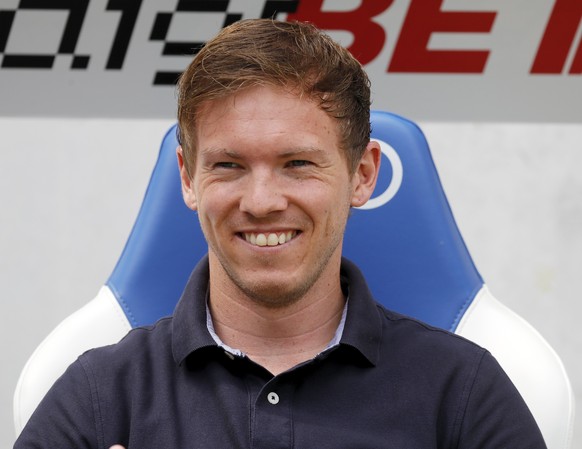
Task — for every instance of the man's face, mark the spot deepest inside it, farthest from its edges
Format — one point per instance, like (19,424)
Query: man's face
(273,193)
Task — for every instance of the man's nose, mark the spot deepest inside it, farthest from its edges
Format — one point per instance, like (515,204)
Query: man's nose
(262,194)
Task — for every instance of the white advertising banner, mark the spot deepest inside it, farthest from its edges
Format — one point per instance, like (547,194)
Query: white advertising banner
(442,60)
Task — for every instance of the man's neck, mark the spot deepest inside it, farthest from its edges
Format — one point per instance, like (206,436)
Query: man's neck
(277,338)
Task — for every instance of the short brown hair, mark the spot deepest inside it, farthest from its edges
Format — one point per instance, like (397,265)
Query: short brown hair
(269,52)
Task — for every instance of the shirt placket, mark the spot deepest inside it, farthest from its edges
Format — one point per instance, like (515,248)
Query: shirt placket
(272,418)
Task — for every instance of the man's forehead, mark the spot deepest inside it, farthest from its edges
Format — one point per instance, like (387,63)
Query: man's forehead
(283,153)
(267,104)
(229,98)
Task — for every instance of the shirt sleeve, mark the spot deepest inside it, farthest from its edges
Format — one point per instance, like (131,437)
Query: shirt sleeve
(496,416)
(66,417)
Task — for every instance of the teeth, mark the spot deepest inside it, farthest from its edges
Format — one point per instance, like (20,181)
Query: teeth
(270,239)
(261,240)
(273,240)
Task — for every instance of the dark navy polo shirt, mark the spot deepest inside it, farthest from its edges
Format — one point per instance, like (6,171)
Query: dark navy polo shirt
(392,382)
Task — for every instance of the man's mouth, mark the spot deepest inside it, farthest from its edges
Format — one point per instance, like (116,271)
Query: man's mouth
(269,238)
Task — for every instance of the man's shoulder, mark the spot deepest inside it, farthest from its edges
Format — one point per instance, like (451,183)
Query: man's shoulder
(141,346)
(411,334)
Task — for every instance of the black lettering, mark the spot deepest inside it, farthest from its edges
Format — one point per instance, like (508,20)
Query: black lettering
(6,19)
(28,61)
(274,7)
(162,24)
(202,5)
(71,32)
(129,11)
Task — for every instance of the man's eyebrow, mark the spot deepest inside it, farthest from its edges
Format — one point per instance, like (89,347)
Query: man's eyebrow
(219,151)
(303,151)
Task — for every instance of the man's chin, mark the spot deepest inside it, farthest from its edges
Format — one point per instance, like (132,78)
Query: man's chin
(274,295)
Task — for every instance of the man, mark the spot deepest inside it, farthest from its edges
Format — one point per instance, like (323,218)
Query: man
(276,341)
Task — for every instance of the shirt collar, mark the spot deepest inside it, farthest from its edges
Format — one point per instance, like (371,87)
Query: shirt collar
(189,331)
(335,341)
(360,327)
(363,328)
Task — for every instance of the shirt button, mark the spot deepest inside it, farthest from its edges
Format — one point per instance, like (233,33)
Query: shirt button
(229,355)
(273,398)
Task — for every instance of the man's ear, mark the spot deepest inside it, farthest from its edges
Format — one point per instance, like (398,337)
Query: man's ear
(187,188)
(366,174)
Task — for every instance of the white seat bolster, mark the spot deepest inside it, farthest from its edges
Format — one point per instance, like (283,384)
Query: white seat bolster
(529,361)
(99,323)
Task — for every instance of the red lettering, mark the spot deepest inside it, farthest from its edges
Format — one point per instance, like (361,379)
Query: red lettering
(369,37)
(577,62)
(425,17)
(558,39)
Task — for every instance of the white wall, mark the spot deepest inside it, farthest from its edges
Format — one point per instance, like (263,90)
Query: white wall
(70,190)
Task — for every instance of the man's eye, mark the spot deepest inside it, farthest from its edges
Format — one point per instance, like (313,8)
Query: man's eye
(226,165)
(299,163)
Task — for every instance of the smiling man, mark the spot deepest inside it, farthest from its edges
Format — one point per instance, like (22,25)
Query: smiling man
(276,341)
(273,204)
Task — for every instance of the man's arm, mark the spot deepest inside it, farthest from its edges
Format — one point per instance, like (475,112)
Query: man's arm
(65,418)
(496,415)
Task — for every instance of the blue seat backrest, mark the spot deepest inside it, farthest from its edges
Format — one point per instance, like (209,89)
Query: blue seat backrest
(407,244)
